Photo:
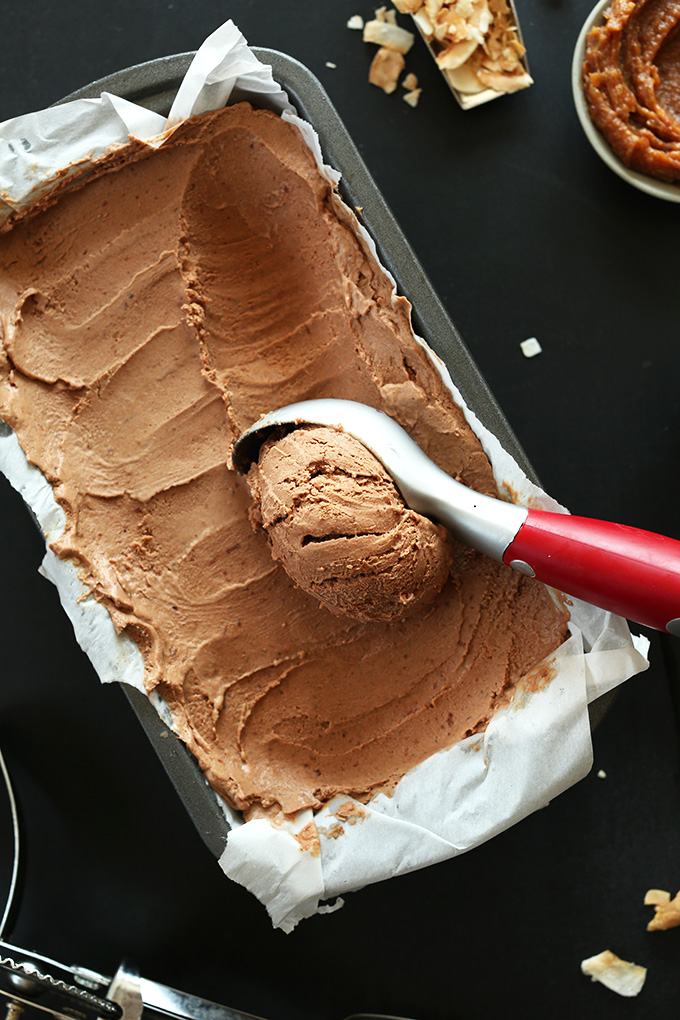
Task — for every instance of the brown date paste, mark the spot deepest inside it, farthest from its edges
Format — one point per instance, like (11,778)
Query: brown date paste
(631,81)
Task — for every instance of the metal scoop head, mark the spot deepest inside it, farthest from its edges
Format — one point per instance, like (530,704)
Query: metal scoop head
(485,523)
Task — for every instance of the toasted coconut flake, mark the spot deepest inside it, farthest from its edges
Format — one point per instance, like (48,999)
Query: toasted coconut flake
(450,26)
(424,24)
(614,973)
(356,22)
(456,55)
(383,14)
(531,347)
(432,8)
(391,36)
(466,7)
(657,898)
(386,68)
(500,81)
(412,97)
(480,21)
(464,79)
(666,911)
(410,81)
(407,6)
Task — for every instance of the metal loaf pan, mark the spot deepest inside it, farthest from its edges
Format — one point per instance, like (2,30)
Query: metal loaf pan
(154,85)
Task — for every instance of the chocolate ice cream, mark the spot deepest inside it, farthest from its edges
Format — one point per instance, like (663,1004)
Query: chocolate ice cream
(339,526)
(147,319)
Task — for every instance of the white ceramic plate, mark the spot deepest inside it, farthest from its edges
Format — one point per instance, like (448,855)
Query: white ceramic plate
(669,192)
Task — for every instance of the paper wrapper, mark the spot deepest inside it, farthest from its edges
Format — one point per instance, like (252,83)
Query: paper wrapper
(457,799)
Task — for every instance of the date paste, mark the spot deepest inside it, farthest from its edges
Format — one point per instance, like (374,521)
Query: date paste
(631,81)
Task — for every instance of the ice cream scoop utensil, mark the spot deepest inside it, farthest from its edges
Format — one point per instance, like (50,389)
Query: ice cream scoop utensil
(628,571)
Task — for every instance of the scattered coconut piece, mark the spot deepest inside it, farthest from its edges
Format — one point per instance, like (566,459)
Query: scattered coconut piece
(407,6)
(384,34)
(614,973)
(530,347)
(329,63)
(356,22)
(666,910)
(386,68)
(602,774)
(388,63)
(657,898)
(383,14)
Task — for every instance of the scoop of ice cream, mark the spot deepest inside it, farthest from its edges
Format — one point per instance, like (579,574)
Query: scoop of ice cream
(339,526)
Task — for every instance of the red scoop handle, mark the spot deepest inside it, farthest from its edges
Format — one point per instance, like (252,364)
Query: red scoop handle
(633,573)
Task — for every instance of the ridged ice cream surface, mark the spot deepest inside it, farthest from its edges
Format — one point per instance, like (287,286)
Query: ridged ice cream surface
(147,318)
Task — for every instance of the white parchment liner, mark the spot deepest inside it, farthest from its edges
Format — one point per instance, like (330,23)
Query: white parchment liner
(460,797)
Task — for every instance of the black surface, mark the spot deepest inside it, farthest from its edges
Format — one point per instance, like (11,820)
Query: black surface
(524,232)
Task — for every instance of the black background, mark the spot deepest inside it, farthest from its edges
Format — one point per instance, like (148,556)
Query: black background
(523,232)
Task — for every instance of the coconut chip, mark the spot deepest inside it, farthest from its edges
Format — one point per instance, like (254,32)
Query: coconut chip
(385,69)
(475,42)
(388,62)
(531,347)
(356,22)
(614,973)
(392,37)
(464,79)
(666,910)
(382,14)
(456,55)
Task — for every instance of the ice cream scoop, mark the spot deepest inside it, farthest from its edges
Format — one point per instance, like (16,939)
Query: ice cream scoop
(625,570)
(336,522)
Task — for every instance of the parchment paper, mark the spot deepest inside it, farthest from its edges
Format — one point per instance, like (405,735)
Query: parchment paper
(530,752)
